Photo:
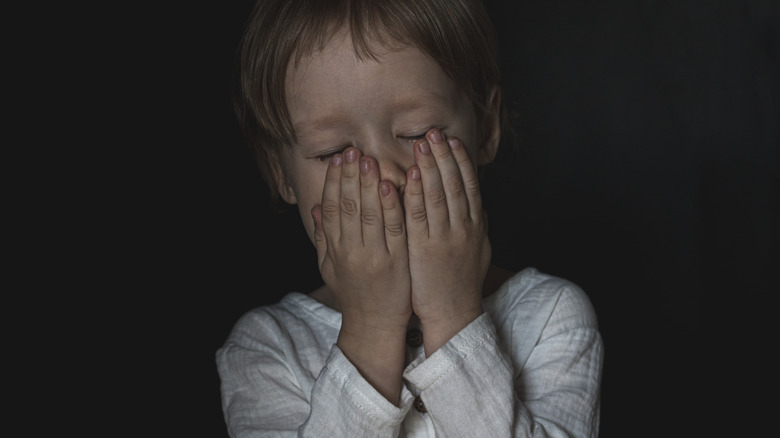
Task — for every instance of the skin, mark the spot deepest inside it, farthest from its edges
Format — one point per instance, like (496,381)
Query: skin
(383,171)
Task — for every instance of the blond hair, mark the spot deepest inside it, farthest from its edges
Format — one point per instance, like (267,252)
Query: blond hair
(457,34)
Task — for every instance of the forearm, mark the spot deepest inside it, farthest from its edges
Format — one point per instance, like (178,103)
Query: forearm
(471,387)
(439,329)
(377,350)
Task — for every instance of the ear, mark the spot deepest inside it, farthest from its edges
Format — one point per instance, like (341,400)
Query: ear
(491,128)
(282,185)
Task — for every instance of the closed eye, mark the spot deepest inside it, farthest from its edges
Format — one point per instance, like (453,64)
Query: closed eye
(412,138)
(327,156)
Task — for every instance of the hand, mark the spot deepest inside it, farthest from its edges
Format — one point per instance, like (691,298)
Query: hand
(362,252)
(449,250)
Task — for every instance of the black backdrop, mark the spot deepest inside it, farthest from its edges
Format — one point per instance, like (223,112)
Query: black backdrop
(646,171)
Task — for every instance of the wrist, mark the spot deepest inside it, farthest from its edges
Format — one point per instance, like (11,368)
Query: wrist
(377,351)
(464,306)
(438,330)
(360,323)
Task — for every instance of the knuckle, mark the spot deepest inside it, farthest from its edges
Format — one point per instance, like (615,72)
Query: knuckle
(352,258)
(390,208)
(437,197)
(418,213)
(369,216)
(394,230)
(375,264)
(348,206)
(429,163)
(457,236)
(462,157)
(455,184)
(349,172)
(472,186)
(413,190)
(442,153)
(463,228)
(330,209)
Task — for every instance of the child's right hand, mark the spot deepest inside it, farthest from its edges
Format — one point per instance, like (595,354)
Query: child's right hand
(360,236)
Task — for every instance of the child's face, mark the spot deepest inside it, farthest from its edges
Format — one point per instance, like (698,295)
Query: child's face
(336,100)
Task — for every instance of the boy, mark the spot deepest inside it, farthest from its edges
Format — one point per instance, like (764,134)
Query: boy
(373,118)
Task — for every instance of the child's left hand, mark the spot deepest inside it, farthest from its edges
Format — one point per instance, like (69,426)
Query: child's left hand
(449,250)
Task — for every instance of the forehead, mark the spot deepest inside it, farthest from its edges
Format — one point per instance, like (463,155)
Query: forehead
(336,83)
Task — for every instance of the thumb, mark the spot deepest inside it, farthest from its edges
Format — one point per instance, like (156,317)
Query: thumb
(319,234)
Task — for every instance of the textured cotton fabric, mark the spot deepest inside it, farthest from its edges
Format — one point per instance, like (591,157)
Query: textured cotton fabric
(529,366)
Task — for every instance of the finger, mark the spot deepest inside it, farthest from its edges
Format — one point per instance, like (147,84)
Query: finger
(414,206)
(370,205)
(330,210)
(469,176)
(350,197)
(393,218)
(434,197)
(451,178)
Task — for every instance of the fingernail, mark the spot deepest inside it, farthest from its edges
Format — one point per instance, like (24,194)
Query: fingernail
(425,148)
(384,189)
(453,142)
(364,165)
(351,156)
(336,160)
(415,174)
(436,136)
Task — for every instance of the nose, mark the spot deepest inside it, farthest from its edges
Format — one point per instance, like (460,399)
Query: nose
(394,160)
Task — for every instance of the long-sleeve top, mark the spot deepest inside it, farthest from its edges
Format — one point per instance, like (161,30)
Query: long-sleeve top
(529,366)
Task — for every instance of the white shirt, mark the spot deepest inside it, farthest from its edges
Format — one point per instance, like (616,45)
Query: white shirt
(530,366)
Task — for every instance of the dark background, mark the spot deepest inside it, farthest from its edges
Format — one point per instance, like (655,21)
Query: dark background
(646,171)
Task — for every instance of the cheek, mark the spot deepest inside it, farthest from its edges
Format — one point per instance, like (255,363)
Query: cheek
(308,179)
(308,191)
(470,133)
(472,145)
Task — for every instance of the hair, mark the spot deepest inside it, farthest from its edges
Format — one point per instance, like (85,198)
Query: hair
(457,34)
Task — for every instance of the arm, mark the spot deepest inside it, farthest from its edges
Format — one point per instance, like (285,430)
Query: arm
(449,250)
(467,383)
(361,246)
(362,253)
(268,389)
(472,386)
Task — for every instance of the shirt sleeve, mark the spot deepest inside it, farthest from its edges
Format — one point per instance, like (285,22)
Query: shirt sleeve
(472,387)
(343,403)
(261,398)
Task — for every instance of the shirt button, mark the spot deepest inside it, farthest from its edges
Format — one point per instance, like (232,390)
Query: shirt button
(414,338)
(419,406)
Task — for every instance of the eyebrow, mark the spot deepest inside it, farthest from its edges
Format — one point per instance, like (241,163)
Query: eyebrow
(307,128)
(304,129)
(421,101)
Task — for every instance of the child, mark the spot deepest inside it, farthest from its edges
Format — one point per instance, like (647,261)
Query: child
(373,118)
